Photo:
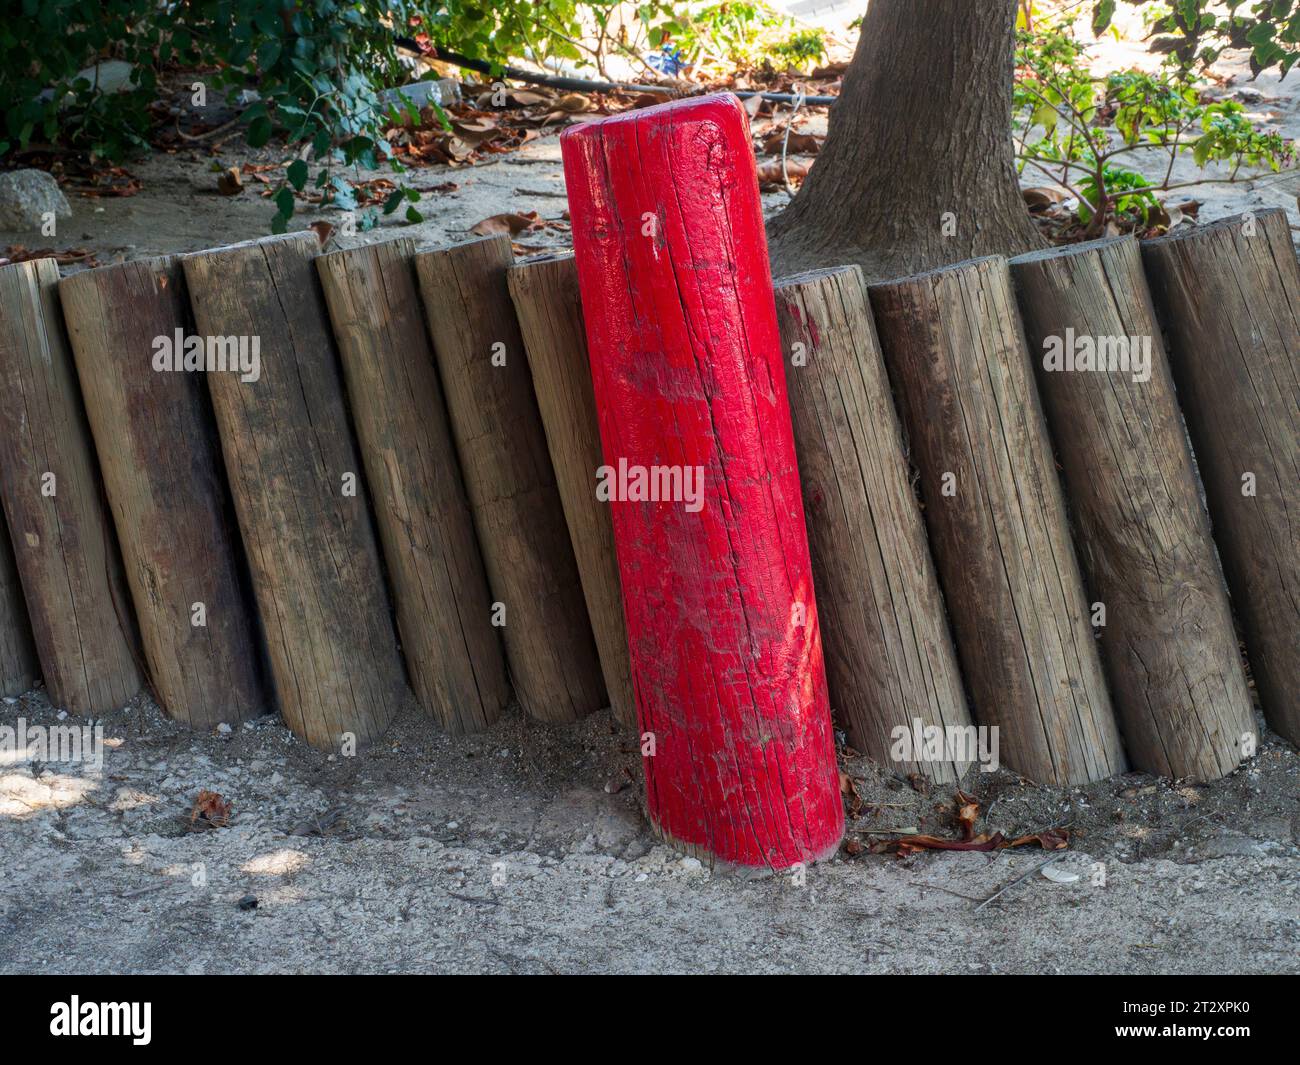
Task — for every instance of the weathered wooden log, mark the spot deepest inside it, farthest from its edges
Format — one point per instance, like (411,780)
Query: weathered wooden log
(63,540)
(956,353)
(296,479)
(708,519)
(1144,539)
(549,308)
(440,590)
(19,668)
(1228,296)
(509,480)
(166,486)
(890,662)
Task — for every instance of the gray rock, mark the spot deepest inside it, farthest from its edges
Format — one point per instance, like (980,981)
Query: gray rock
(112,75)
(26,196)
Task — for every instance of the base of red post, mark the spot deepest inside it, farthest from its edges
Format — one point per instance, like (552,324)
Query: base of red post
(745,869)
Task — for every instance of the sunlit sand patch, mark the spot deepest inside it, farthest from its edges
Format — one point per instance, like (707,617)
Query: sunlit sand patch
(23,796)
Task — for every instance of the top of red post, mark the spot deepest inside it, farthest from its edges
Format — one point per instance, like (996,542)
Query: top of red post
(719,106)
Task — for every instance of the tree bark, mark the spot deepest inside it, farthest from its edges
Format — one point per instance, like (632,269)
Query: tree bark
(717,583)
(956,353)
(1228,295)
(918,168)
(889,653)
(1144,538)
(439,587)
(158,450)
(545,294)
(289,452)
(62,535)
(509,479)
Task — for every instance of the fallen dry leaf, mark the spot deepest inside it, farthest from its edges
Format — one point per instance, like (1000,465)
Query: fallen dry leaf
(528,98)
(769,174)
(229,183)
(210,811)
(1053,839)
(800,143)
(967,812)
(1042,198)
(17,253)
(571,102)
(507,223)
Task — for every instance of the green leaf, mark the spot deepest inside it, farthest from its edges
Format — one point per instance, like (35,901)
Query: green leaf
(267,54)
(259,132)
(1101,16)
(344,196)
(297,174)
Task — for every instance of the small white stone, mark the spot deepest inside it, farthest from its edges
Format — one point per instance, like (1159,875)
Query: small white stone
(224,729)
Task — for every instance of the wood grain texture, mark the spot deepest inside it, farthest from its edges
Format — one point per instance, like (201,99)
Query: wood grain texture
(549,308)
(1143,535)
(1228,296)
(287,446)
(722,622)
(19,667)
(509,480)
(63,540)
(166,486)
(956,353)
(890,660)
(440,590)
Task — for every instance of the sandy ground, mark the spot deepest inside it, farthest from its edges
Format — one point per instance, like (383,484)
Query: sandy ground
(526,849)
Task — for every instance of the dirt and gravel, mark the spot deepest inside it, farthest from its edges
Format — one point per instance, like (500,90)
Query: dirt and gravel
(525,849)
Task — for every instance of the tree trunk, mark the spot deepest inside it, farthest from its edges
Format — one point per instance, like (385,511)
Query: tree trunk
(918,168)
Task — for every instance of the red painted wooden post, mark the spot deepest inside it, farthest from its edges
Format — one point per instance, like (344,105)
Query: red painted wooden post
(717,585)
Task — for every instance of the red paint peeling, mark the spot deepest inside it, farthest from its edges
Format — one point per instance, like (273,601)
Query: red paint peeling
(686,363)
